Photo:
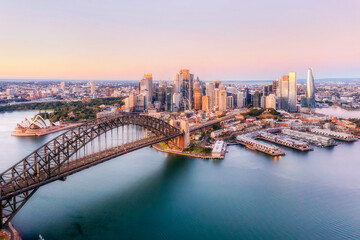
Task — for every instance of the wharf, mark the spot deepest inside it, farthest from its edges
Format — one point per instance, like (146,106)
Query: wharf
(259,146)
(284,141)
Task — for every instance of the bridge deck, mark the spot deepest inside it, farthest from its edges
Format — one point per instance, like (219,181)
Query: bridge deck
(77,165)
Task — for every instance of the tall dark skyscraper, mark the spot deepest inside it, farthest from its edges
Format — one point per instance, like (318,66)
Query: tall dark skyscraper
(186,83)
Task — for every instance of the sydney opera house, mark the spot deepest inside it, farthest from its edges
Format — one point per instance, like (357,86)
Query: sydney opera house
(38,126)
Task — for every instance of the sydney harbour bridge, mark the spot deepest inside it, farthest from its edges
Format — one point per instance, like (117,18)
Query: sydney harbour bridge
(79,148)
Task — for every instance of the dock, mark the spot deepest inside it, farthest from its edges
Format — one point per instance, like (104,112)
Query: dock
(248,141)
(336,135)
(309,137)
(285,141)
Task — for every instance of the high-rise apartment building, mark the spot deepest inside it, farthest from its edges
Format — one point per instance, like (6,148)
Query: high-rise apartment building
(205,103)
(210,93)
(176,102)
(146,88)
(240,100)
(217,83)
(176,83)
(229,102)
(169,98)
(256,99)
(62,86)
(284,93)
(186,88)
(92,87)
(222,100)
(310,89)
(270,101)
(197,96)
(216,98)
(292,92)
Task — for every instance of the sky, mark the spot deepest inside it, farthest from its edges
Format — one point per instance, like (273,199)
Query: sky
(215,39)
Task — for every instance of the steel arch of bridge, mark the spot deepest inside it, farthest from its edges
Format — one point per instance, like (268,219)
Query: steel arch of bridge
(52,161)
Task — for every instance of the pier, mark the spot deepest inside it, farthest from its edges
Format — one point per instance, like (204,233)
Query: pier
(285,141)
(312,138)
(248,141)
(336,135)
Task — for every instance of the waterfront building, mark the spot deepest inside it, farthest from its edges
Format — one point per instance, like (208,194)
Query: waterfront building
(337,135)
(205,103)
(316,139)
(292,92)
(210,93)
(218,149)
(184,126)
(222,100)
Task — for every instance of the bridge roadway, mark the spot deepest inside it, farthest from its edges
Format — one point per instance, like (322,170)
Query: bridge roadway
(78,165)
(59,158)
(212,122)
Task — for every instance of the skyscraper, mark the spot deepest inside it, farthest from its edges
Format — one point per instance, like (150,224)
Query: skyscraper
(205,103)
(216,98)
(310,89)
(210,93)
(146,88)
(229,102)
(197,96)
(240,101)
(222,100)
(176,83)
(292,92)
(186,88)
(284,93)
(169,98)
(217,83)
(257,99)
(270,101)
(92,87)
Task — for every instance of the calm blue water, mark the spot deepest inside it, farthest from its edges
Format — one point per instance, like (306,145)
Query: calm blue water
(151,195)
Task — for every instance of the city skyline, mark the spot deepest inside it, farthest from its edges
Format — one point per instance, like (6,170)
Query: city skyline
(231,40)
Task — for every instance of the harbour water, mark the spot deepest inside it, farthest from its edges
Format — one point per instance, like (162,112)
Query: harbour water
(152,195)
(338,112)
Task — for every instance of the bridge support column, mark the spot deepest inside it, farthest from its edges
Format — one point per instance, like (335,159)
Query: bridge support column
(184,126)
(1,215)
